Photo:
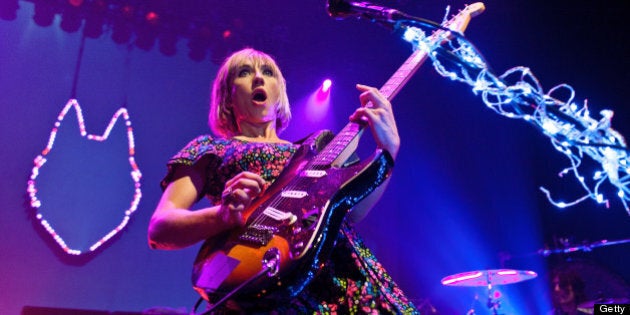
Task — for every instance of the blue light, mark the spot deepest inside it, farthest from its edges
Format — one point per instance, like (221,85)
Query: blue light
(518,94)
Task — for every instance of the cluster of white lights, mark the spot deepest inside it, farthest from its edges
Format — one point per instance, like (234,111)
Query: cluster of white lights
(40,160)
(517,94)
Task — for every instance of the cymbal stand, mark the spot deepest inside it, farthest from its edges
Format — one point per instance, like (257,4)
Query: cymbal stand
(493,303)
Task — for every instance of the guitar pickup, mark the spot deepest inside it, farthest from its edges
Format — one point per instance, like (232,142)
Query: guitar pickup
(314,173)
(280,215)
(294,194)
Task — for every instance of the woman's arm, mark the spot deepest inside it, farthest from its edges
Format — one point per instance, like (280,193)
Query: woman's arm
(173,225)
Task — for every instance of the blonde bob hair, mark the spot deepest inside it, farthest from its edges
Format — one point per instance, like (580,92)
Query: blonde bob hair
(221,118)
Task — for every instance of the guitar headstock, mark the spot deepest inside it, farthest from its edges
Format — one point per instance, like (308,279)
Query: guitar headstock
(474,9)
(423,44)
(459,22)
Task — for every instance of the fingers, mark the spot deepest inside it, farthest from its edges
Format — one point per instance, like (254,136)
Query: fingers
(245,180)
(376,111)
(375,108)
(363,115)
(371,97)
(238,194)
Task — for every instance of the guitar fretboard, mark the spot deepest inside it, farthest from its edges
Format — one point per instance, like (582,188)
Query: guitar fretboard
(341,141)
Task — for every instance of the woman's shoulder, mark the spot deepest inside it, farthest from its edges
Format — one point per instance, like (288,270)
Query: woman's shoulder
(200,146)
(206,139)
(209,144)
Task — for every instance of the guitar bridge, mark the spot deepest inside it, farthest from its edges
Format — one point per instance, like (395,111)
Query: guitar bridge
(258,235)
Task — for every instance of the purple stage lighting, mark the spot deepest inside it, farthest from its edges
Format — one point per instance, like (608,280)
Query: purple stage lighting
(323,94)
(326,85)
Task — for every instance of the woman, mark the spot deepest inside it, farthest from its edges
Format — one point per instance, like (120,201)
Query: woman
(249,109)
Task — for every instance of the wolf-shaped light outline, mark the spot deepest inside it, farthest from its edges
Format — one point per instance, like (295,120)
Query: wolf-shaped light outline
(40,160)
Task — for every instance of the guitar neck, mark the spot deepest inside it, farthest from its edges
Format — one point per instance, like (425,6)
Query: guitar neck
(403,74)
(344,143)
(338,148)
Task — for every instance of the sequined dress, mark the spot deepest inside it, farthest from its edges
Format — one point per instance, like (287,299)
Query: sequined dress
(352,280)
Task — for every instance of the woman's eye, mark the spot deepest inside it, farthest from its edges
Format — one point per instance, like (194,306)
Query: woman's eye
(244,72)
(268,72)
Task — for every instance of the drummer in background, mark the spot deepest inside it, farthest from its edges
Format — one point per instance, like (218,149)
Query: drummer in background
(567,292)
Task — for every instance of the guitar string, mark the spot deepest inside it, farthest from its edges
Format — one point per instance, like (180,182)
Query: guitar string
(264,219)
(278,202)
(321,160)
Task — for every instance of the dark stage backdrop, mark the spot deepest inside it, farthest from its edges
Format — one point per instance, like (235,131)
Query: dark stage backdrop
(465,191)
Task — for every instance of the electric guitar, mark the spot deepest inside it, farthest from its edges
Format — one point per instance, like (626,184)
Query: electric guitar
(291,229)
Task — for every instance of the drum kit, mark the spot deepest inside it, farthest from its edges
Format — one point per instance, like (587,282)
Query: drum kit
(499,277)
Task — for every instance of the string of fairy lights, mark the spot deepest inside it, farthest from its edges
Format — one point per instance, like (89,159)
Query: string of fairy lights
(517,94)
(41,159)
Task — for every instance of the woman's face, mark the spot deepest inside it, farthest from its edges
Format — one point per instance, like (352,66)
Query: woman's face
(255,93)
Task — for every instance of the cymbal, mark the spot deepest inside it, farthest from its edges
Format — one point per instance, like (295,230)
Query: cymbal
(589,305)
(482,278)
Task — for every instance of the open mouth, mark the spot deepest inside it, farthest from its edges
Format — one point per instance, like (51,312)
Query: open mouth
(259,96)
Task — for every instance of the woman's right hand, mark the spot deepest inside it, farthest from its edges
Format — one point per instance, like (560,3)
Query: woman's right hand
(377,111)
(238,194)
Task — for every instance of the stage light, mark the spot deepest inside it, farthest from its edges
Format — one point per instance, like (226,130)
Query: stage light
(152,17)
(147,32)
(326,85)
(44,13)
(75,3)
(323,94)
(318,103)
(8,9)
(71,20)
